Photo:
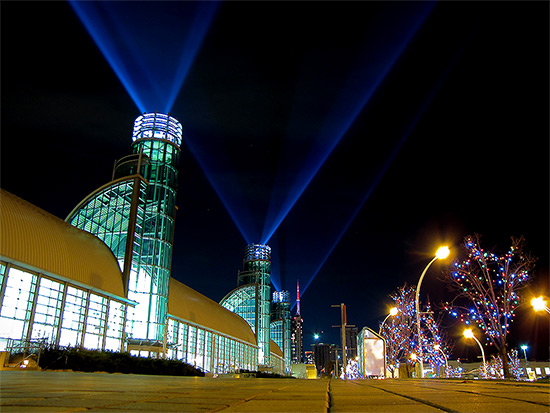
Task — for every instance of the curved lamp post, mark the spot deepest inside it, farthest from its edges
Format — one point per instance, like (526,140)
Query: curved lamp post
(442,253)
(539,304)
(468,333)
(393,312)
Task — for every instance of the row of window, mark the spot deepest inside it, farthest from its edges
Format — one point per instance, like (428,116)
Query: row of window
(33,307)
(209,350)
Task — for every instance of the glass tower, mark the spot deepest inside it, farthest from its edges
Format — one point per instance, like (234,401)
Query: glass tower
(158,137)
(280,324)
(252,299)
(134,215)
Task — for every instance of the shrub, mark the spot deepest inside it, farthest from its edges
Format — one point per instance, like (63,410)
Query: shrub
(75,359)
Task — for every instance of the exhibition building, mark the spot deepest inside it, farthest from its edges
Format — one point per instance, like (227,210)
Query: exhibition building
(101,279)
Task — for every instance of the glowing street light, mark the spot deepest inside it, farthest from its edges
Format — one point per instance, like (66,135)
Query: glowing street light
(539,304)
(524,347)
(442,253)
(468,333)
(393,312)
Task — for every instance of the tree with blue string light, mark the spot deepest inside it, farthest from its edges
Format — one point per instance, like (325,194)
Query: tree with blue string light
(401,336)
(486,285)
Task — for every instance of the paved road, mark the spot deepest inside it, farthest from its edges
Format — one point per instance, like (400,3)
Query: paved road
(36,391)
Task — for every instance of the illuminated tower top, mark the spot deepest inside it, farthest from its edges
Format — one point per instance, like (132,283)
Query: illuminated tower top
(281,306)
(281,296)
(255,252)
(256,265)
(157,126)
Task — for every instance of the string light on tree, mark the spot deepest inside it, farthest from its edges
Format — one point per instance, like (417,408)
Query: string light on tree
(486,286)
(400,332)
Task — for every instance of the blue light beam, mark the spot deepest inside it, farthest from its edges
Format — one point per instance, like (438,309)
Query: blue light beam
(352,99)
(392,156)
(217,174)
(149,45)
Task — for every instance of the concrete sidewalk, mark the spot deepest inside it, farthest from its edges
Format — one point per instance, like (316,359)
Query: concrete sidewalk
(37,391)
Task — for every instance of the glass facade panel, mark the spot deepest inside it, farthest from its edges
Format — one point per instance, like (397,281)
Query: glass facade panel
(95,322)
(182,342)
(47,310)
(191,345)
(17,303)
(72,324)
(115,324)
(106,215)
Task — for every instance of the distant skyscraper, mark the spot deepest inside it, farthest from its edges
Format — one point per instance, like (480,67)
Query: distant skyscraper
(252,299)
(309,357)
(324,357)
(351,342)
(296,336)
(280,324)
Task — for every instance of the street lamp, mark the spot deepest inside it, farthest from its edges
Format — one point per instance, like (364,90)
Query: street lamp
(539,304)
(468,333)
(393,312)
(524,347)
(442,253)
(437,347)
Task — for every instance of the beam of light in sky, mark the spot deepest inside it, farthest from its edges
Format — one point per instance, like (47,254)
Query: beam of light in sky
(378,57)
(149,45)
(392,156)
(217,174)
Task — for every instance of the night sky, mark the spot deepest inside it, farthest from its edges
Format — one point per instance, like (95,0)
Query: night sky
(373,131)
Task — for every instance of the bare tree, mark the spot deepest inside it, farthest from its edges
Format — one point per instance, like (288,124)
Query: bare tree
(399,329)
(486,287)
(401,335)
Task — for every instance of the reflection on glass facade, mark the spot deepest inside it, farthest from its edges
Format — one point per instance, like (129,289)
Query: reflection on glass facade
(252,300)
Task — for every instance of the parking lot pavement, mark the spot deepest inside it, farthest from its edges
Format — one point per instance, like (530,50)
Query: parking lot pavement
(39,391)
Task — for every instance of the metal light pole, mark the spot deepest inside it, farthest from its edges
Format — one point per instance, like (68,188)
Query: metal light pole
(524,347)
(442,252)
(343,318)
(437,347)
(393,311)
(469,334)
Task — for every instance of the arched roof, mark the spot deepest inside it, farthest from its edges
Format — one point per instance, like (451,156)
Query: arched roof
(190,305)
(31,237)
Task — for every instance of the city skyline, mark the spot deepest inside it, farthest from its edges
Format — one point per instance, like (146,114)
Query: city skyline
(452,140)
